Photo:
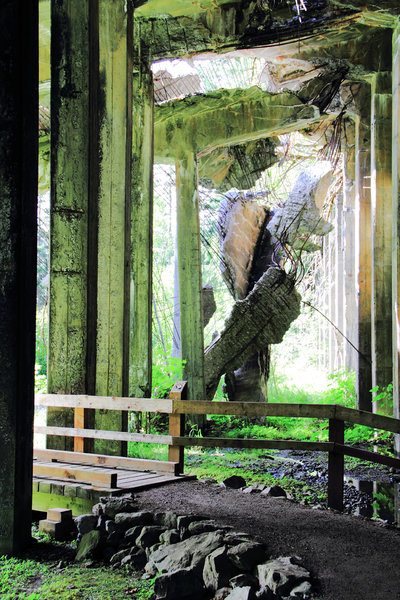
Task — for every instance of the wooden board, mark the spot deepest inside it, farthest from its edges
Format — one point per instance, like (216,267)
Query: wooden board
(252,443)
(139,464)
(105,402)
(106,478)
(100,434)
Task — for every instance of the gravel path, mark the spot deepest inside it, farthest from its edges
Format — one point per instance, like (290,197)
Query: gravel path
(351,558)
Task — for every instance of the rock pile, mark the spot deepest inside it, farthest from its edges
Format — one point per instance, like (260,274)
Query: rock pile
(191,558)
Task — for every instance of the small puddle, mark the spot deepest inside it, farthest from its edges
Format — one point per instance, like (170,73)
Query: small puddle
(382,499)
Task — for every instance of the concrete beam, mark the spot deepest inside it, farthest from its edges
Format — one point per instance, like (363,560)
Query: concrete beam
(18,196)
(200,124)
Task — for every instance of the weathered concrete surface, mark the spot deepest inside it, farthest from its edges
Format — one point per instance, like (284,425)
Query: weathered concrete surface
(300,217)
(381,217)
(190,283)
(237,166)
(69,210)
(226,117)
(363,233)
(114,201)
(140,330)
(261,319)
(240,221)
(396,224)
(18,191)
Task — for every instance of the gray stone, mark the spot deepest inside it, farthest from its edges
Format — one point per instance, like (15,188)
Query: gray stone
(222,593)
(282,575)
(85,523)
(98,509)
(275,491)
(218,569)
(182,584)
(208,480)
(91,545)
(247,555)
(127,520)
(171,536)
(101,522)
(114,539)
(233,538)
(202,526)
(243,579)
(251,489)
(235,482)
(188,553)
(184,521)
(265,594)
(149,536)
(132,534)
(302,590)
(242,593)
(118,556)
(110,526)
(119,504)
(136,559)
(168,519)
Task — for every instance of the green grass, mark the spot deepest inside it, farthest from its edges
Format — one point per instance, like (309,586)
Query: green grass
(33,580)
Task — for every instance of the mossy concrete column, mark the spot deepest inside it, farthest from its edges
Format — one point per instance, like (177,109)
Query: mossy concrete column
(363,234)
(339,280)
(190,283)
(396,224)
(349,239)
(140,348)
(381,216)
(18,199)
(114,104)
(70,132)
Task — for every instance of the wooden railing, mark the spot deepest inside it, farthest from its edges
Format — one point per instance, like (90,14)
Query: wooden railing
(177,407)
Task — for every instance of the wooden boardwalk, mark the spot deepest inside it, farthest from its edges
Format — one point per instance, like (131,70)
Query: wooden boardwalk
(77,486)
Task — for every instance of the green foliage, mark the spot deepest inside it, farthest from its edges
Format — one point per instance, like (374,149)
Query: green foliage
(383,399)
(341,389)
(31,580)
(41,340)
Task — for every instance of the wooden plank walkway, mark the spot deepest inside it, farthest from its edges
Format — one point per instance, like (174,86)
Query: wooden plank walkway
(79,486)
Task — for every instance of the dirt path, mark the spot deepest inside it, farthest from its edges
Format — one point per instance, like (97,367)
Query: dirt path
(352,558)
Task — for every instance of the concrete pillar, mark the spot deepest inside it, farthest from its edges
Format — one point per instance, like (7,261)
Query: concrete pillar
(18,194)
(92,51)
(339,281)
(381,216)
(349,233)
(190,284)
(140,350)
(363,245)
(70,127)
(114,107)
(396,221)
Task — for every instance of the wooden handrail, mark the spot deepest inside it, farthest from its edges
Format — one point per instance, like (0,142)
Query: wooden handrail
(177,407)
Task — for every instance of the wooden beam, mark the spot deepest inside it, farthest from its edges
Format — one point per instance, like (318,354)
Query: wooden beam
(177,425)
(255,409)
(368,419)
(366,455)
(105,402)
(335,466)
(208,442)
(71,473)
(99,434)
(139,464)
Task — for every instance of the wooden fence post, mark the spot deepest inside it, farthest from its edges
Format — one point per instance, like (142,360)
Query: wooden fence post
(335,466)
(177,426)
